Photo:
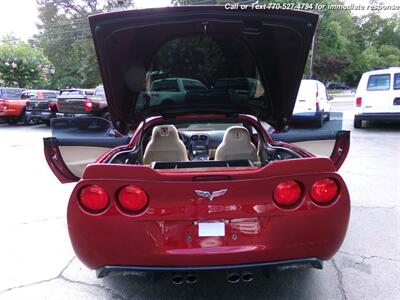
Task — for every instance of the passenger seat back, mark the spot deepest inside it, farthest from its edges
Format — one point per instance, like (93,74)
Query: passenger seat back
(165,145)
(236,145)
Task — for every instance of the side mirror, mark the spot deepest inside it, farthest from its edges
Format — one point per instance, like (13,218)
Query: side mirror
(330,98)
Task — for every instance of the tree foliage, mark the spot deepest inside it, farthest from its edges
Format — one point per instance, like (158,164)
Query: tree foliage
(65,38)
(22,65)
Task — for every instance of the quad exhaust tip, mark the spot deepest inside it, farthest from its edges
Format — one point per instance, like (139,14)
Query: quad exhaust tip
(179,279)
(247,277)
(191,278)
(234,277)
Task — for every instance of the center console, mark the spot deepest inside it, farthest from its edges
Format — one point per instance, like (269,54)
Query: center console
(198,147)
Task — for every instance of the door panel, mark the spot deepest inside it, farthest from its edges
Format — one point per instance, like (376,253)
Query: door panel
(77,158)
(334,144)
(78,142)
(321,148)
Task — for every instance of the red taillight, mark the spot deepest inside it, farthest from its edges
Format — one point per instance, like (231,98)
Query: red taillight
(88,104)
(132,198)
(324,190)
(358,101)
(287,193)
(58,108)
(3,104)
(93,198)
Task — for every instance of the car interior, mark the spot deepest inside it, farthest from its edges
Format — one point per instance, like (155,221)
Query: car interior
(203,145)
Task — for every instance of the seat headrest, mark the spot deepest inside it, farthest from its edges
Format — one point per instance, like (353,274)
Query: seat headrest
(237,134)
(165,131)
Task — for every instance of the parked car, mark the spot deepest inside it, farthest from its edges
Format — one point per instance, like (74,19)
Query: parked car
(12,106)
(377,96)
(200,185)
(168,91)
(312,103)
(82,102)
(40,106)
(337,86)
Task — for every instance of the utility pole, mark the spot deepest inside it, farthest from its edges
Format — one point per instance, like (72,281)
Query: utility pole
(312,55)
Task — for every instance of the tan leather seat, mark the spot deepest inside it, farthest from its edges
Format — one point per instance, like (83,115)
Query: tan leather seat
(165,145)
(236,144)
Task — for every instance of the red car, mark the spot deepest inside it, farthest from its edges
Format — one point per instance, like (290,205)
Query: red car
(200,185)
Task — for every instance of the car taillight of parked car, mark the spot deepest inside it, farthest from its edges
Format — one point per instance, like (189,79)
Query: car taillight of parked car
(316,101)
(324,191)
(358,101)
(3,104)
(132,199)
(287,193)
(93,198)
(88,104)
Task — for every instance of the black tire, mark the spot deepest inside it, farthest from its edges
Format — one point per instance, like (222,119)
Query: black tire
(106,115)
(357,123)
(328,117)
(12,121)
(47,122)
(31,121)
(319,121)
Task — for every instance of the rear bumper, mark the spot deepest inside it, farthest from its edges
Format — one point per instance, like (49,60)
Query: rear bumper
(378,116)
(42,115)
(167,233)
(280,265)
(300,116)
(72,115)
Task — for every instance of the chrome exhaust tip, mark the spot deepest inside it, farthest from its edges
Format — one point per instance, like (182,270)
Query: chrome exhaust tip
(233,277)
(177,279)
(191,278)
(247,277)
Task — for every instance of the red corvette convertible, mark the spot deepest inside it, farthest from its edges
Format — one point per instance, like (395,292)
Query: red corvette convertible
(189,179)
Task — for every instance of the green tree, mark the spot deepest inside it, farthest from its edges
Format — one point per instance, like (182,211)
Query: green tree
(23,65)
(66,39)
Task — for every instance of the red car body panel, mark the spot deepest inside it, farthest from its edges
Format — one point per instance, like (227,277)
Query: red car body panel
(166,232)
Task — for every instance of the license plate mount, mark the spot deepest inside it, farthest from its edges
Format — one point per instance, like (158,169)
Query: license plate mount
(209,229)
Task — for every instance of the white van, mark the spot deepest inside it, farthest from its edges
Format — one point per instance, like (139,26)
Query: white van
(378,96)
(312,102)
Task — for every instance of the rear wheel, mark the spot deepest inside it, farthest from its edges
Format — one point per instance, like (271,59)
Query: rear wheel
(12,121)
(106,115)
(328,116)
(30,121)
(47,122)
(357,123)
(319,120)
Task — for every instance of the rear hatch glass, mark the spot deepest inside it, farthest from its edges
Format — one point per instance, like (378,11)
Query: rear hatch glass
(396,84)
(212,70)
(379,82)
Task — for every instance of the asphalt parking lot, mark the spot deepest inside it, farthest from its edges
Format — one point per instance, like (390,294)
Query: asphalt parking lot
(37,261)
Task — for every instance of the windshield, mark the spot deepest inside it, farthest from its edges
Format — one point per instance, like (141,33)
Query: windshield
(202,71)
(206,126)
(71,93)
